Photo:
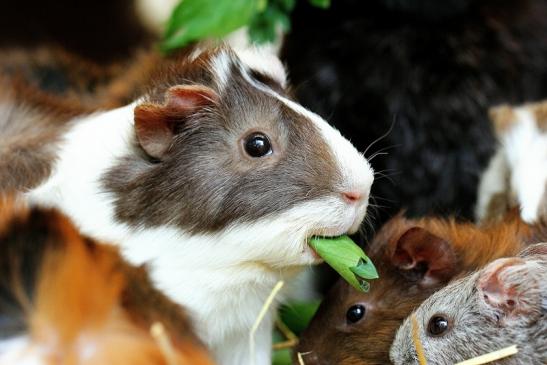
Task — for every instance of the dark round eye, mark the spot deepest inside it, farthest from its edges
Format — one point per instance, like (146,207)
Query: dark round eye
(258,145)
(355,313)
(438,325)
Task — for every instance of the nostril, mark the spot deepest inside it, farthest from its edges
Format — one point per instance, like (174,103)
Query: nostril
(352,196)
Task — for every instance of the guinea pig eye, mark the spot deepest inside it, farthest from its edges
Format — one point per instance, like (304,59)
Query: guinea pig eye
(355,313)
(258,145)
(438,325)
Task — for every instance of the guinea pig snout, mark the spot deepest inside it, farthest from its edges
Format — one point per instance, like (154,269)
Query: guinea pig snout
(353,196)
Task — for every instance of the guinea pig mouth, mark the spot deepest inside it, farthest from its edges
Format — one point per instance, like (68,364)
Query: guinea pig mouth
(327,233)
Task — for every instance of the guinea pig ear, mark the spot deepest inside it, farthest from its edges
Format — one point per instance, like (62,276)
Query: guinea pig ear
(508,287)
(538,249)
(424,257)
(156,125)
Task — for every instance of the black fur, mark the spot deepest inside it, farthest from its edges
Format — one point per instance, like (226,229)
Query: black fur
(22,245)
(101,30)
(431,70)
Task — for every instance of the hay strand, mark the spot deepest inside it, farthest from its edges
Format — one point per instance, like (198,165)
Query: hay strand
(417,341)
(492,356)
(261,316)
(158,332)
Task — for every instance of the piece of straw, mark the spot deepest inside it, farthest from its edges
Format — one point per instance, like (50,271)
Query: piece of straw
(417,341)
(492,356)
(290,338)
(260,317)
(158,332)
(300,358)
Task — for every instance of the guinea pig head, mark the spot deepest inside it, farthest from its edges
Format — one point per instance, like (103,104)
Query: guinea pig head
(501,305)
(222,152)
(352,327)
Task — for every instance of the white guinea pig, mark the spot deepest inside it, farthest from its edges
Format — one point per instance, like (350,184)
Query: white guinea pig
(215,180)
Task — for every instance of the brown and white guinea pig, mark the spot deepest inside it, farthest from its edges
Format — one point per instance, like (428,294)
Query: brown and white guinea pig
(414,259)
(68,299)
(518,170)
(503,304)
(214,179)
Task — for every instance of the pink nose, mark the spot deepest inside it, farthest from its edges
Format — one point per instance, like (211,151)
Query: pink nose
(352,196)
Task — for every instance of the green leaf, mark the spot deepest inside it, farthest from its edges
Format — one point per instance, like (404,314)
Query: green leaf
(282,357)
(197,19)
(320,3)
(348,259)
(262,28)
(365,269)
(297,315)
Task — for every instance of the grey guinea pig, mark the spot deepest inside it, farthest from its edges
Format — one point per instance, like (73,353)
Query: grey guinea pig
(503,304)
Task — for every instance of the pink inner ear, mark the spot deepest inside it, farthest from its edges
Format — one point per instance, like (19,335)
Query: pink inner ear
(153,130)
(156,125)
(418,245)
(499,289)
(190,97)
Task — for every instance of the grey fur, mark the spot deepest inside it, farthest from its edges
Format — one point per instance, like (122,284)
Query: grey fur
(205,182)
(478,328)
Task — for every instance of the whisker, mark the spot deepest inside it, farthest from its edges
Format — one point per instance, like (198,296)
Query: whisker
(382,136)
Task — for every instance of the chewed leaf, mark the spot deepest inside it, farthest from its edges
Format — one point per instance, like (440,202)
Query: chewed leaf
(365,269)
(348,259)
(364,285)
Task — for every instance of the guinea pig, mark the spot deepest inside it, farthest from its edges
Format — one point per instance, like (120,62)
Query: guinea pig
(503,304)
(214,179)
(517,174)
(68,299)
(414,259)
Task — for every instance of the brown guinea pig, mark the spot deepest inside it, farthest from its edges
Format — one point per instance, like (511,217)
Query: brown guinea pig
(67,299)
(414,259)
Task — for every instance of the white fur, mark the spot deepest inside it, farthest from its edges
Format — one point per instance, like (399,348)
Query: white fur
(526,152)
(357,174)
(263,60)
(519,168)
(19,351)
(222,278)
(493,181)
(220,65)
(155,13)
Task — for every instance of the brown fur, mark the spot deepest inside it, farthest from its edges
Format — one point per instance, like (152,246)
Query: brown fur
(540,114)
(86,294)
(331,339)
(502,117)
(69,79)
(28,134)
(225,184)
(36,106)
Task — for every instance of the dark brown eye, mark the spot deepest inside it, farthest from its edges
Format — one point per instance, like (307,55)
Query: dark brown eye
(438,325)
(258,145)
(355,313)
